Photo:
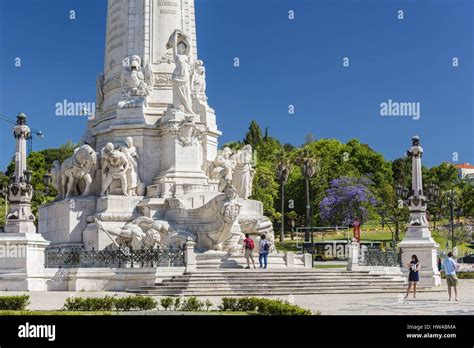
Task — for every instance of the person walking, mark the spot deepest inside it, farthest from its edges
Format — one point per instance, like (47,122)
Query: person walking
(249,246)
(440,264)
(450,266)
(413,276)
(263,251)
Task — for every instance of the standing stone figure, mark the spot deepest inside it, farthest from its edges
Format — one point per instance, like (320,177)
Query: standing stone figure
(181,78)
(243,173)
(133,180)
(198,83)
(136,80)
(114,166)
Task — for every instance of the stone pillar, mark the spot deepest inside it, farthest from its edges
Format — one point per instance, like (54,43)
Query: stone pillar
(290,259)
(189,255)
(353,261)
(22,262)
(418,240)
(22,250)
(308,262)
(20,219)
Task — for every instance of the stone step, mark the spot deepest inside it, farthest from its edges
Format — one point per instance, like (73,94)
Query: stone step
(271,286)
(278,282)
(269,277)
(237,292)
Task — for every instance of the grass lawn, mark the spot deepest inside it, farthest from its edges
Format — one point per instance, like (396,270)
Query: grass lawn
(377,235)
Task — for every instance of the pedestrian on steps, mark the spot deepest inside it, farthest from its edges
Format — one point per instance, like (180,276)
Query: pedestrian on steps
(248,249)
(263,251)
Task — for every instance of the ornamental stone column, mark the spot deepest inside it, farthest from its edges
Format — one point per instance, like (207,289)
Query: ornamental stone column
(22,250)
(418,240)
(20,219)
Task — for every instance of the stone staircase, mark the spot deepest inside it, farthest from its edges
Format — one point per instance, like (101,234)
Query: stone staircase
(237,282)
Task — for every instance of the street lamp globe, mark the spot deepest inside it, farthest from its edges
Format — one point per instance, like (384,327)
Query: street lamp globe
(27,176)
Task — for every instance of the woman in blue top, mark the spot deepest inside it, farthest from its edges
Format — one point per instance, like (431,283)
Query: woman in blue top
(413,276)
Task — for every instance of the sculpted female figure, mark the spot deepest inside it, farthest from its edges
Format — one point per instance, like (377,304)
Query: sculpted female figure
(133,179)
(181,78)
(243,174)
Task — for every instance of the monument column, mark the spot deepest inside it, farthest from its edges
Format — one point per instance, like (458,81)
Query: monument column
(418,240)
(22,248)
(20,218)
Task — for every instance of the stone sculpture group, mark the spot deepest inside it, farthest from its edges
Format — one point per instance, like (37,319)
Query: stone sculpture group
(148,171)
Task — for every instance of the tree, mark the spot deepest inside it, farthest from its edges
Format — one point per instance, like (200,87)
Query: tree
(347,199)
(254,134)
(39,163)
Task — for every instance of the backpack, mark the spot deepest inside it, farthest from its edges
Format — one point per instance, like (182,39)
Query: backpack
(249,244)
(266,247)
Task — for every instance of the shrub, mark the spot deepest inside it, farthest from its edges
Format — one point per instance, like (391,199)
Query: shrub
(135,303)
(108,303)
(14,303)
(229,304)
(262,306)
(177,303)
(89,304)
(247,304)
(279,307)
(460,275)
(192,304)
(166,302)
(208,304)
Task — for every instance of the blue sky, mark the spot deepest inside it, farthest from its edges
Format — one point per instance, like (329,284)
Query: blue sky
(282,62)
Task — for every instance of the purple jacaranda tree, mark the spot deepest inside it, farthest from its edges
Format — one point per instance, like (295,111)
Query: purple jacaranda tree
(347,199)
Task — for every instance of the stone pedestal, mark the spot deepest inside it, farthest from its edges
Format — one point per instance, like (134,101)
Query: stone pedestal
(182,155)
(112,211)
(353,261)
(427,252)
(189,256)
(22,261)
(62,222)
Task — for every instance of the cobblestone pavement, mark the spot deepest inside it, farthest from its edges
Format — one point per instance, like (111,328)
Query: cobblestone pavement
(435,303)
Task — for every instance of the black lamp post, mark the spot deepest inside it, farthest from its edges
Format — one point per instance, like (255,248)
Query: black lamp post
(282,173)
(402,194)
(433,195)
(4,193)
(309,166)
(47,178)
(27,176)
(451,195)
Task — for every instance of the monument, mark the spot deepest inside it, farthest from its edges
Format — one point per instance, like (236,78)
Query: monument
(418,238)
(148,169)
(21,248)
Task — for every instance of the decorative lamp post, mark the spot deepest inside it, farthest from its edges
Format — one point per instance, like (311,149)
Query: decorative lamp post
(433,195)
(451,196)
(282,173)
(417,240)
(47,178)
(309,166)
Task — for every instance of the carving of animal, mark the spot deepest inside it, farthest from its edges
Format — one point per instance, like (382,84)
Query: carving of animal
(78,166)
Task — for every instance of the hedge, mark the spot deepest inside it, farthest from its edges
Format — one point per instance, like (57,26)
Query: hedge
(261,306)
(14,303)
(108,303)
(460,275)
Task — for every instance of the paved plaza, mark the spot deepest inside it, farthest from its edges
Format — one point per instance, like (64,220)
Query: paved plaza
(426,303)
